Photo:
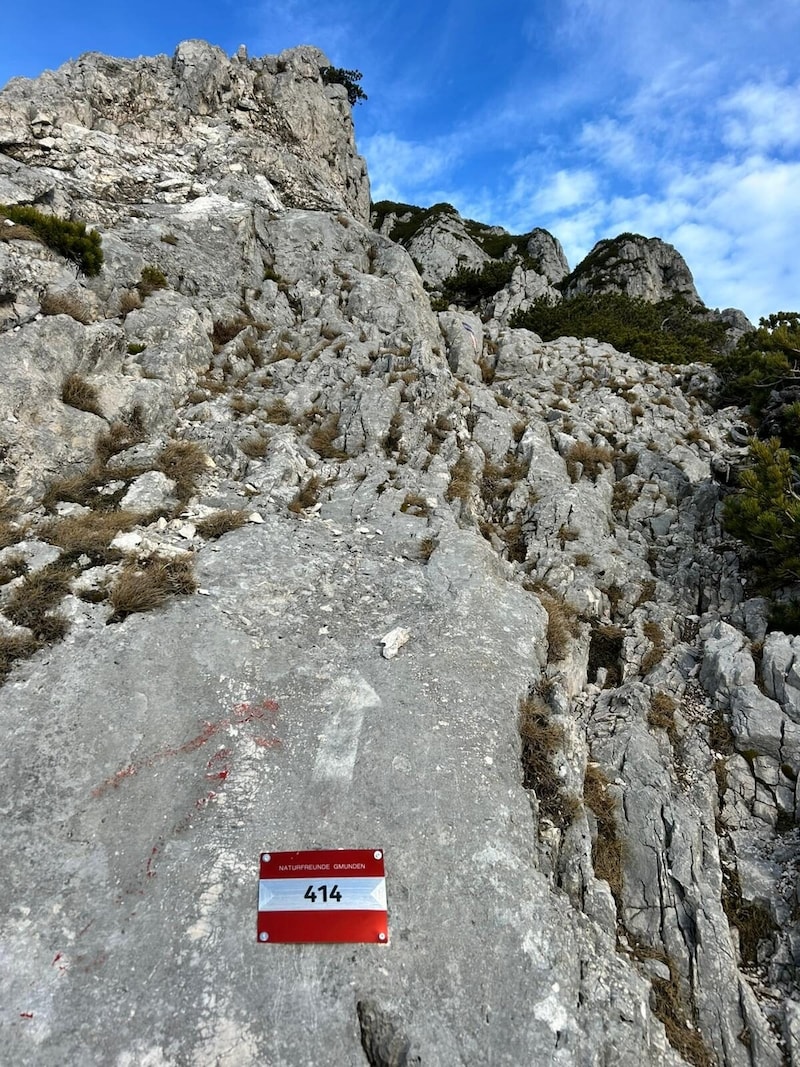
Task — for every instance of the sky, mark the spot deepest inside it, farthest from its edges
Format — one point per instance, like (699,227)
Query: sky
(677,119)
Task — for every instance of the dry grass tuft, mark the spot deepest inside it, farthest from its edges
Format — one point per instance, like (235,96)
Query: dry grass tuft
(307,495)
(655,635)
(80,394)
(130,300)
(90,533)
(147,585)
(607,848)
(19,232)
(322,438)
(605,651)
(11,533)
(587,461)
(223,332)
(541,740)
(278,413)
(14,647)
(462,479)
(184,462)
(220,523)
(415,504)
(661,715)
(255,447)
(32,602)
(121,434)
(13,566)
(562,624)
(66,303)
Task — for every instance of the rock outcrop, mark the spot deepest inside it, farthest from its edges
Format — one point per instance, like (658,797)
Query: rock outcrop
(234,462)
(644,267)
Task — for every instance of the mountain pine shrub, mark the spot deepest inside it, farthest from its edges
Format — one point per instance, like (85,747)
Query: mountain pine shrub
(670,331)
(68,239)
(348,78)
(765,515)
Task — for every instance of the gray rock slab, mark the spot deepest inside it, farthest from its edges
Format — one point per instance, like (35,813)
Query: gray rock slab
(262,716)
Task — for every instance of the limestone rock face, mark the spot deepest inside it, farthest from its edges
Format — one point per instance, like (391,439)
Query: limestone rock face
(110,133)
(236,468)
(645,267)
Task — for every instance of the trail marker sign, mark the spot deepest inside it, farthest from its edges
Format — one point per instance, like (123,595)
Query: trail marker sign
(324,895)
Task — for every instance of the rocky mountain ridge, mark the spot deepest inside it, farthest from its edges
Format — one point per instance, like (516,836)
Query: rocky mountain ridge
(582,761)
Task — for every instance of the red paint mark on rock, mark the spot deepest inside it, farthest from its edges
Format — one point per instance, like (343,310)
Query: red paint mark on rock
(26,1015)
(242,713)
(150,867)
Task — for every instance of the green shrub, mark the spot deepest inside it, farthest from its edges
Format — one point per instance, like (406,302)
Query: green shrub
(761,360)
(348,78)
(68,239)
(670,331)
(765,515)
(151,279)
(468,287)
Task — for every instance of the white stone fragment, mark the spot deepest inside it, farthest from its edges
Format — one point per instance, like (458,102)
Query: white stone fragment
(394,641)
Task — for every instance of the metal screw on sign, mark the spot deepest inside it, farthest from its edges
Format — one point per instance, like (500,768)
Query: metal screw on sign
(265,856)
(263,937)
(381,937)
(377,854)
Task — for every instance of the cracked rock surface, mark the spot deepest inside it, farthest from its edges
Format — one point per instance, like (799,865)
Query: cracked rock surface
(581,758)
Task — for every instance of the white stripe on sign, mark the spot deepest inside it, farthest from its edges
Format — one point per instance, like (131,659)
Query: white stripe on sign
(302,894)
(338,745)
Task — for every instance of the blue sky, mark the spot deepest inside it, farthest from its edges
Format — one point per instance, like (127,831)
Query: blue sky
(673,118)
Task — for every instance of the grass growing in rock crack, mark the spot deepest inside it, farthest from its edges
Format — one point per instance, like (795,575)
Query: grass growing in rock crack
(671,1006)
(462,480)
(541,740)
(661,715)
(78,393)
(147,585)
(322,437)
(605,651)
(587,461)
(33,601)
(655,654)
(753,921)
(607,847)
(221,522)
(562,621)
(183,462)
(91,533)
(306,496)
(14,647)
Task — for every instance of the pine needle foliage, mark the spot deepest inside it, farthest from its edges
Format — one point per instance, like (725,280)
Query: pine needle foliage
(670,331)
(765,515)
(68,239)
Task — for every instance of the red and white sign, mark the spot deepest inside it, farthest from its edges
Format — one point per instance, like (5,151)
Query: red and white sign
(323,895)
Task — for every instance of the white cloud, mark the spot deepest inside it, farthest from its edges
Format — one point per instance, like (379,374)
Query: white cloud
(561,190)
(402,168)
(763,117)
